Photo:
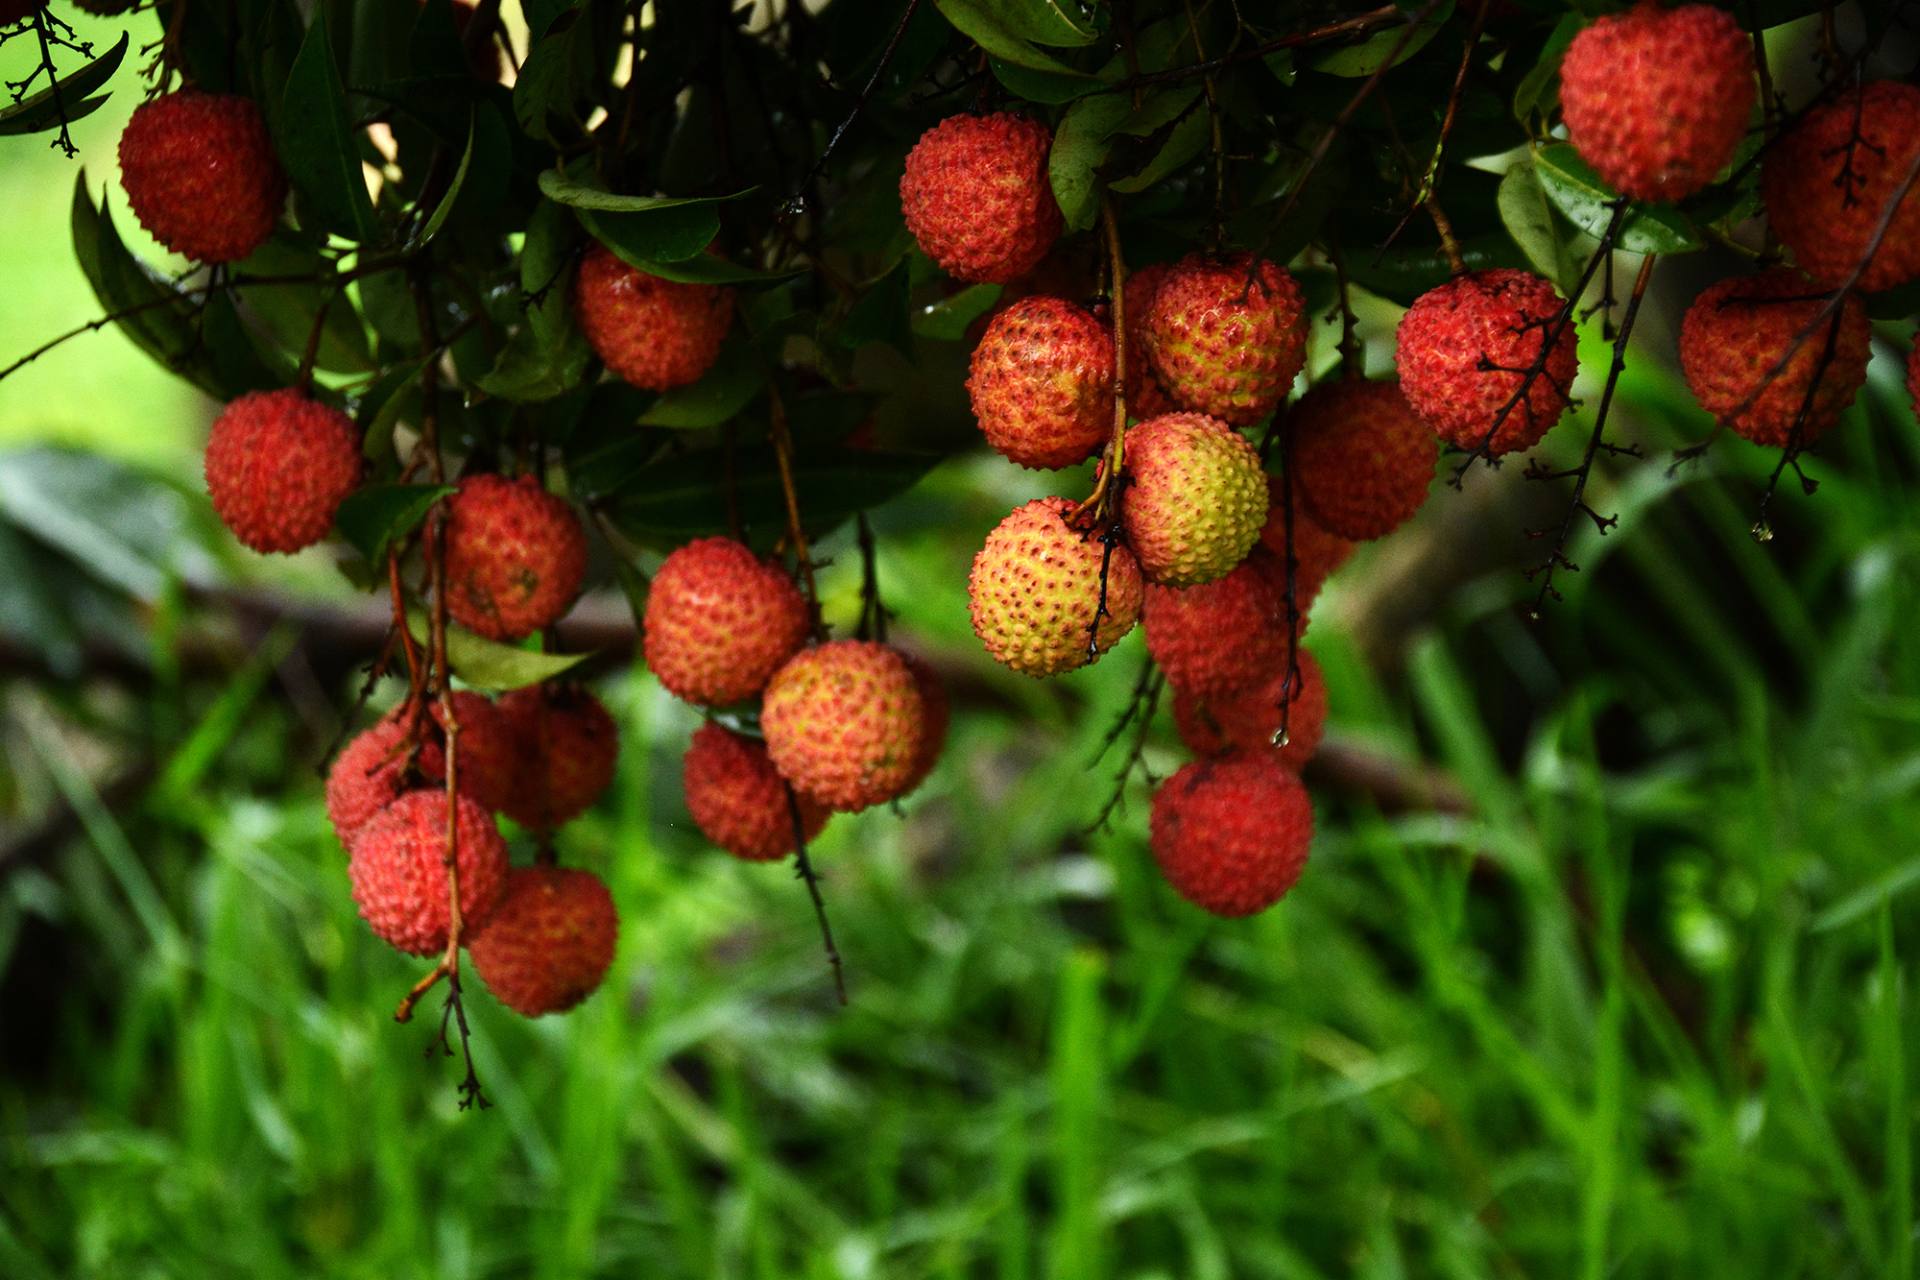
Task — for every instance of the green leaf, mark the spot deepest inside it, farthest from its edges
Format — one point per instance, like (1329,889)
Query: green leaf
(561,189)
(1050,22)
(1362,60)
(1401,275)
(1538,89)
(1048,87)
(376,516)
(535,366)
(880,314)
(985,23)
(686,496)
(673,234)
(317,143)
(1529,219)
(494,667)
(1186,140)
(947,319)
(68,97)
(438,218)
(1578,192)
(1080,147)
(720,394)
(705,268)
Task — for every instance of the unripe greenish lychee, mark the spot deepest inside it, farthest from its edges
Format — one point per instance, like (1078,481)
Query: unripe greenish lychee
(977,198)
(1248,719)
(1830,180)
(1316,552)
(1227,336)
(399,876)
(739,800)
(720,621)
(516,556)
(1231,835)
(1041,383)
(278,466)
(549,943)
(1362,457)
(1218,637)
(1195,499)
(656,334)
(844,723)
(566,749)
(1034,591)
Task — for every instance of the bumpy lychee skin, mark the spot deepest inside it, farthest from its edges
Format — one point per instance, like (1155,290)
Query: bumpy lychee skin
(374,769)
(1657,99)
(516,556)
(369,774)
(278,466)
(1146,398)
(720,621)
(567,746)
(1034,591)
(1363,458)
(488,759)
(1042,383)
(549,943)
(1218,637)
(1231,835)
(1828,182)
(200,174)
(1737,331)
(399,882)
(1227,338)
(844,723)
(739,800)
(1465,349)
(936,717)
(1196,498)
(977,198)
(657,334)
(1316,552)
(1248,719)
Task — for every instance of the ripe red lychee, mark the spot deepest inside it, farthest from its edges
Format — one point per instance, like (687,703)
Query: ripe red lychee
(720,621)
(488,759)
(399,881)
(1146,398)
(1362,457)
(936,717)
(1248,719)
(1316,552)
(1737,331)
(1828,182)
(374,769)
(844,724)
(739,800)
(1227,337)
(369,774)
(1468,347)
(1232,835)
(549,943)
(1913,377)
(1657,99)
(278,466)
(516,556)
(567,747)
(657,334)
(200,174)
(977,198)
(1034,590)
(1220,636)
(1042,383)
(1196,497)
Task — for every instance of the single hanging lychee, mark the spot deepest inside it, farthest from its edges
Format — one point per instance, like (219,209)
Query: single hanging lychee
(657,334)
(1362,458)
(1231,835)
(516,556)
(1041,383)
(399,875)
(200,174)
(1217,637)
(1034,591)
(977,198)
(566,745)
(1831,178)
(720,621)
(549,943)
(844,723)
(1227,336)
(1247,719)
(1195,497)
(278,466)
(739,800)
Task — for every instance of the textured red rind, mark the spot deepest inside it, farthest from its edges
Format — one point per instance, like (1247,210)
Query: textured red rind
(936,717)
(657,334)
(200,174)
(1196,498)
(278,465)
(1829,180)
(1221,636)
(549,943)
(1248,719)
(739,800)
(1227,337)
(720,621)
(1041,383)
(400,882)
(1232,835)
(372,771)
(567,748)
(1362,457)
(1034,590)
(516,556)
(977,199)
(1146,398)
(843,723)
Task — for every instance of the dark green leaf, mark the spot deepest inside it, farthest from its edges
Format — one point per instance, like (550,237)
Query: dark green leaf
(376,516)
(1530,220)
(1538,89)
(1080,147)
(561,189)
(1401,275)
(1042,86)
(947,319)
(1587,202)
(1185,141)
(721,393)
(686,496)
(67,97)
(672,234)
(880,314)
(317,143)
(438,218)
(982,22)
(1395,43)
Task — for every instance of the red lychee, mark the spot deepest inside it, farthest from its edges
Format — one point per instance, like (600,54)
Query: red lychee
(1195,500)
(1362,457)
(373,770)
(739,800)
(1232,835)
(720,621)
(977,197)
(1469,347)
(516,556)
(549,942)
(1316,552)
(1737,331)
(1657,99)
(400,882)
(1248,719)
(1146,398)
(278,466)
(1042,383)
(1227,337)
(1034,590)
(1829,181)
(567,746)
(1221,636)
(200,174)
(844,723)
(657,334)
(369,774)
(489,759)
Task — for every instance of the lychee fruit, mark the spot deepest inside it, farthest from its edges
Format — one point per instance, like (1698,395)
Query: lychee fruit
(549,943)
(977,197)
(1195,500)
(1227,336)
(1034,591)
(400,880)
(1469,348)
(374,769)
(657,334)
(200,174)
(843,723)
(739,800)
(516,556)
(1828,182)
(1248,719)
(1146,398)
(567,747)
(1735,334)
(369,774)
(489,760)
(1362,458)
(1221,636)
(1042,383)
(1232,835)
(936,717)
(1657,99)
(278,466)
(720,621)
(1913,377)
(1316,552)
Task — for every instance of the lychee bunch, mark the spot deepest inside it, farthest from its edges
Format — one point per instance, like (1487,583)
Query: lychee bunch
(720,621)
(1216,637)
(1736,333)
(567,747)
(1042,383)
(1248,718)
(516,556)
(1830,179)
(1228,335)
(200,174)
(977,198)
(1474,359)
(380,764)
(278,465)
(1196,498)
(1316,552)
(739,800)
(370,773)
(844,724)
(657,334)
(1362,458)
(1034,591)
(1657,99)
(1231,835)
(400,882)
(1146,398)
(549,943)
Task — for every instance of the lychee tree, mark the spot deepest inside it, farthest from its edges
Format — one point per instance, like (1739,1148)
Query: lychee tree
(655,295)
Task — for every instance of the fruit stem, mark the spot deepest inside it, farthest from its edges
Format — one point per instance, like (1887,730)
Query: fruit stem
(783,458)
(803,869)
(1106,489)
(1352,357)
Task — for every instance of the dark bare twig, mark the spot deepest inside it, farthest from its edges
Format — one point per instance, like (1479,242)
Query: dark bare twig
(1139,713)
(1360,24)
(795,203)
(803,870)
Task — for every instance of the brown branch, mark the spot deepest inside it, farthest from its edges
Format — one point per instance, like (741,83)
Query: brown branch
(1360,24)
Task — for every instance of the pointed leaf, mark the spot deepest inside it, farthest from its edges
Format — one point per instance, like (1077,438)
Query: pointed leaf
(68,97)
(376,516)
(317,142)
(490,666)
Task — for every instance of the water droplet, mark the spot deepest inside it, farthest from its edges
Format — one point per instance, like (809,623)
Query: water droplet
(794,206)
(1533,615)
(1762,530)
(1280,738)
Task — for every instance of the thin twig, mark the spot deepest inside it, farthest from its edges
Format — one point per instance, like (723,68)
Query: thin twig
(803,870)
